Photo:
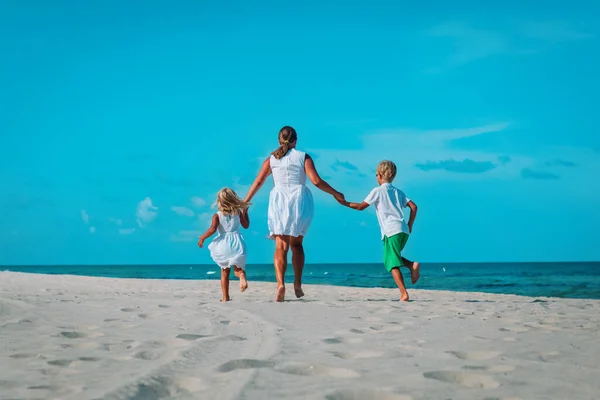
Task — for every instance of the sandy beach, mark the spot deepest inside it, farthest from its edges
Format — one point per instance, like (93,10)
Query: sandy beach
(73,337)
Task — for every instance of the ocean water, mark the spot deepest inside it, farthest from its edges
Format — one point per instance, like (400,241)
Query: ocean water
(566,279)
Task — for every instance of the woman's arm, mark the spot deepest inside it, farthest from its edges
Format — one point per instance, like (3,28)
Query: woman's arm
(313,175)
(244,218)
(260,180)
(210,231)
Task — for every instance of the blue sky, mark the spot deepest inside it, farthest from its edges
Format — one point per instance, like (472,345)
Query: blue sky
(120,120)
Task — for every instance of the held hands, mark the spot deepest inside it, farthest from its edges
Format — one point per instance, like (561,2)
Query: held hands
(340,197)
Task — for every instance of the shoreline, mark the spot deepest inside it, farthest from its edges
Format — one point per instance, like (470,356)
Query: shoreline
(80,337)
(233,280)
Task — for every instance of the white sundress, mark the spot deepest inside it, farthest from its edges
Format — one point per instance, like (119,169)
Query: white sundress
(229,247)
(291,206)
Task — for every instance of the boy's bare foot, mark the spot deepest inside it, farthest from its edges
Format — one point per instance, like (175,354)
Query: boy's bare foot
(299,292)
(415,272)
(280,294)
(225,299)
(243,283)
(404,297)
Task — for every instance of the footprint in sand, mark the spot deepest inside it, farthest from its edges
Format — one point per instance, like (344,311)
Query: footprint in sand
(60,363)
(514,329)
(365,394)
(464,379)
(245,364)
(304,369)
(475,355)
(89,359)
(358,355)
(20,356)
(147,355)
(339,340)
(128,309)
(190,336)
(494,369)
(164,306)
(73,335)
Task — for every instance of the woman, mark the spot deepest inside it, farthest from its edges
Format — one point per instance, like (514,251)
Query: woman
(290,204)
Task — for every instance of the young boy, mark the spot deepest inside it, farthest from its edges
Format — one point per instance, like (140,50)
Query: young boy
(389,202)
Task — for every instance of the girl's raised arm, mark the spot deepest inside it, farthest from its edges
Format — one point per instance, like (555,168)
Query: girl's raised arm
(210,231)
(260,180)
(313,175)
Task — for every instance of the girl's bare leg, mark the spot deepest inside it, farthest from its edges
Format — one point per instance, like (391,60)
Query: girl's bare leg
(297,263)
(415,270)
(225,283)
(280,261)
(241,275)
(397,275)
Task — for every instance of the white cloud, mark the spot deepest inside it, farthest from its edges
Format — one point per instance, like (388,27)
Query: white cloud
(198,201)
(126,231)
(92,229)
(205,218)
(184,211)
(185,236)
(467,43)
(85,217)
(116,221)
(146,212)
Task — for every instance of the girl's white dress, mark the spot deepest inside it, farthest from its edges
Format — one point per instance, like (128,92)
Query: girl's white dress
(291,206)
(229,247)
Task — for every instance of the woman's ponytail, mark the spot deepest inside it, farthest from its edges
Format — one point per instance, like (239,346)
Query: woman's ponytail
(287,135)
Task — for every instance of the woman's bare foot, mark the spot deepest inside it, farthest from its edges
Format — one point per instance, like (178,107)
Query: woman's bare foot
(225,299)
(404,297)
(243,282)
(280,294)
(415,272)
(299,292)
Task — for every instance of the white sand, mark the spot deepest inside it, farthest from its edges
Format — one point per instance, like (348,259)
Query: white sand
(68,337)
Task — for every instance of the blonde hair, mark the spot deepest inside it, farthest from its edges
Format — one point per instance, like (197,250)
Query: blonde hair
(387,170)
(287,136)
(229,203)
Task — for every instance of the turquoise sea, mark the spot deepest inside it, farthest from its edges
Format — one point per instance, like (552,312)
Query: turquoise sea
(565,279)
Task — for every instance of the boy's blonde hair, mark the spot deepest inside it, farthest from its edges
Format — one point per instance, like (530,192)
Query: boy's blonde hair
(229,203)
(387,170)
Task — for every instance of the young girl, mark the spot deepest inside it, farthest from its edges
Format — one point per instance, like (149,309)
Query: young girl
(228,248)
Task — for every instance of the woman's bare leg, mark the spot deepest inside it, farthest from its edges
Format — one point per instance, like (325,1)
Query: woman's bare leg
(241,275)
(297,263)
(280,260)
(225,283)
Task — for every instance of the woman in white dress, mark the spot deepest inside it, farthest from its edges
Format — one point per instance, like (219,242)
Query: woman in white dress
(290,204)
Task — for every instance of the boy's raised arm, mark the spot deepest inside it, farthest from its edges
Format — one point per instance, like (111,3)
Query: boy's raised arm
(413,213)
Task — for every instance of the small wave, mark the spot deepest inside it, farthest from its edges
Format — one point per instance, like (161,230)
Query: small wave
(211,272)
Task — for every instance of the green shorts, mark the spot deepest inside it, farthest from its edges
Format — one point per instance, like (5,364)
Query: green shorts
(392,249)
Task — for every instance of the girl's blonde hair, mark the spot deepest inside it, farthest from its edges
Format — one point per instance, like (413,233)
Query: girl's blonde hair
(229,203)
(287,136)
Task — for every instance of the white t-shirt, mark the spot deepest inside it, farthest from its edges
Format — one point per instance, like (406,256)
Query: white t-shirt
(389,202)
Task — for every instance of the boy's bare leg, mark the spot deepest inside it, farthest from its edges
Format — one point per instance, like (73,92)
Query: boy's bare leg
(225,283)
(280,261)
(297,263)
(241,275)
(397,275)
(415,270)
